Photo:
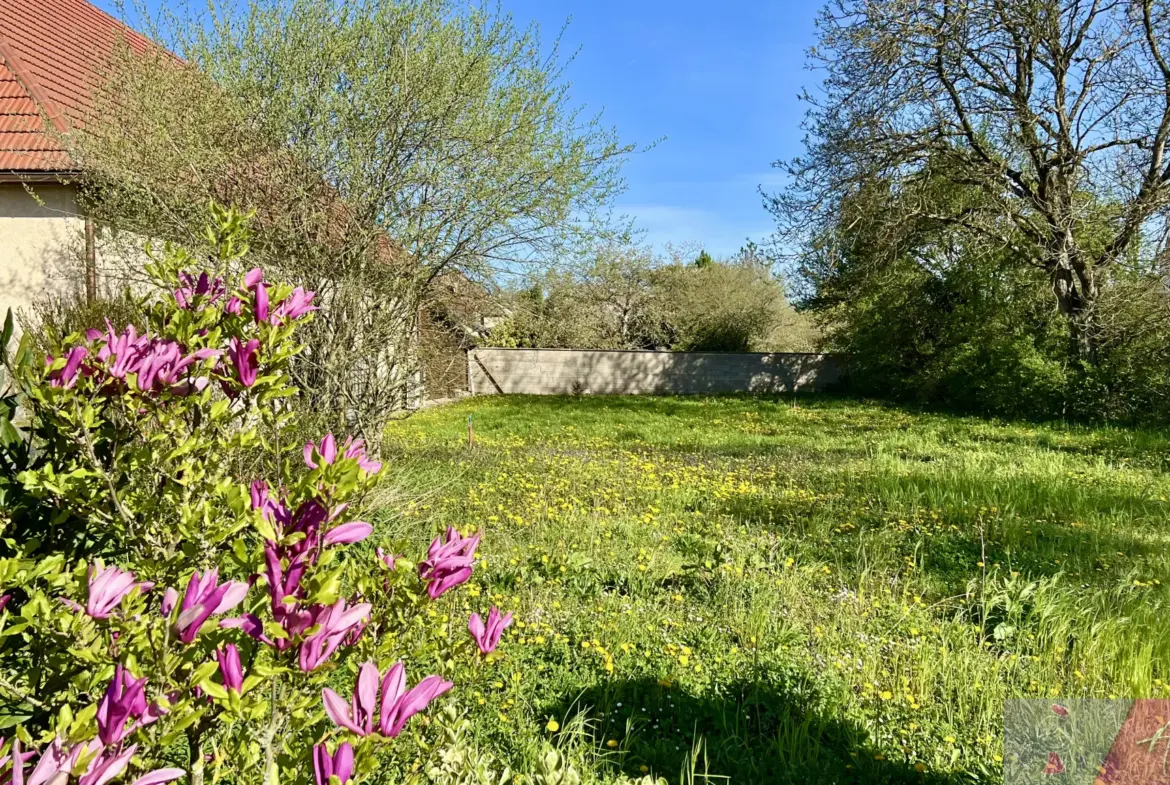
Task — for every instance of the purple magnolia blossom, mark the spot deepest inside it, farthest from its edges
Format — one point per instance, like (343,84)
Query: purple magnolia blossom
(244,359)
(57,759)
(121,352)
(272,509)
(389,559)
(157,363)
(123,707)
(487,637)
(347,533)
(339,764)
(107,587)
(327,451)
(58,763)
(229,667)
(204,597)
(18,758)
(395,707)
(107,766)
(163,365)
(253,277)
(235,306)
(294,306)
(333,624)
(202,287)
(356,449)
(260,309)
(449,563)
(66,376)
(361,714)
(159,776)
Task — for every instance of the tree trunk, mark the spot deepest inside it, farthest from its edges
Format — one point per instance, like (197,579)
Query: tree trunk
(195,755)
(1076,296)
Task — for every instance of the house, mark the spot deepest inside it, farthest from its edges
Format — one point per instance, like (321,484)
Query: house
(51,57)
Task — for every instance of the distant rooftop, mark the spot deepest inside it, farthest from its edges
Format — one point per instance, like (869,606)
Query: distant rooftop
(51,57)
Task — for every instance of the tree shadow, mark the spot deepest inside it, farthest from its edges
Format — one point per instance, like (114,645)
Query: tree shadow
(1039,542)
(773,730)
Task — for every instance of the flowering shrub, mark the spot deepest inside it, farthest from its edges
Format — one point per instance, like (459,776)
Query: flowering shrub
(167,612)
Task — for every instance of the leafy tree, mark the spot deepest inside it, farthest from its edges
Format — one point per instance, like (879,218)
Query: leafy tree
(380,144)
(626,299)
(1050,120)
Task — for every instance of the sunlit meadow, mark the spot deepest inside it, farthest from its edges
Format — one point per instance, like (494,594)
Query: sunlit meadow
(762,590)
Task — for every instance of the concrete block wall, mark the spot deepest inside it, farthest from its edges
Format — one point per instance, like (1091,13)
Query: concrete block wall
(578,371)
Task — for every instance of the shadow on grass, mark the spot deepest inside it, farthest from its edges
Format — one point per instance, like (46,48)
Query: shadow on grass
(773,731)
(1022,542)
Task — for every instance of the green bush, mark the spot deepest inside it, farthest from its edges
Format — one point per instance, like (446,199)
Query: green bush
(166,608)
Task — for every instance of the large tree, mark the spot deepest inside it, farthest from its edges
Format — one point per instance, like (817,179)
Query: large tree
(381,143)
(1036,126)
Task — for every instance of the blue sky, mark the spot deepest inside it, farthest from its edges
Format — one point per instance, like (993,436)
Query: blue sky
(717,83)
(718,80)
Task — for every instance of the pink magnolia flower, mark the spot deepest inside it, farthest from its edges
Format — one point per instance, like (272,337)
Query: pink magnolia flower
(245,361)
(339,764)
(123,702)
(107,766)
(487,637)
(18,758)
(356,448)
(108,586)
(394,709)
(121,352)
(159,776)
(271,508)
(389,559)
(327,451)
(260,309)
(449,563)
(58,760)
(193,288)
(332,624)
(253,277)
(230,668)
(235,306)
(204,598)
(294,306)
(398,706)
(348,533)
(162,365)
(359,716)
(66,376)
(282,582)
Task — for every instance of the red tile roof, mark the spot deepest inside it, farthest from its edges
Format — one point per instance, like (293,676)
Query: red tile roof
(51,56)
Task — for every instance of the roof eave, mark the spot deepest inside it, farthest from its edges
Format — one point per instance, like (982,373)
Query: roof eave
(38,175)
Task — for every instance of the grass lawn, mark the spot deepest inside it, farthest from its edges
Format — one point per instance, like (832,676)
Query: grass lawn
(762,592)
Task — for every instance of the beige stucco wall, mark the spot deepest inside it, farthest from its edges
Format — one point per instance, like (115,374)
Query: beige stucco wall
(41,241)
(566,371)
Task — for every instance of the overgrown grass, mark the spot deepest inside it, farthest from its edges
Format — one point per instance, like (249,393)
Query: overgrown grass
(760,591)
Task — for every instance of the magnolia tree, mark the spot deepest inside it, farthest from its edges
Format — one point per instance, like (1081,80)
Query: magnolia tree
(167,613)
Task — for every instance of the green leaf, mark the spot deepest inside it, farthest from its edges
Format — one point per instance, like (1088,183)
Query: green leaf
(214,690)
(264,527)
(204,671)
(6,335)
